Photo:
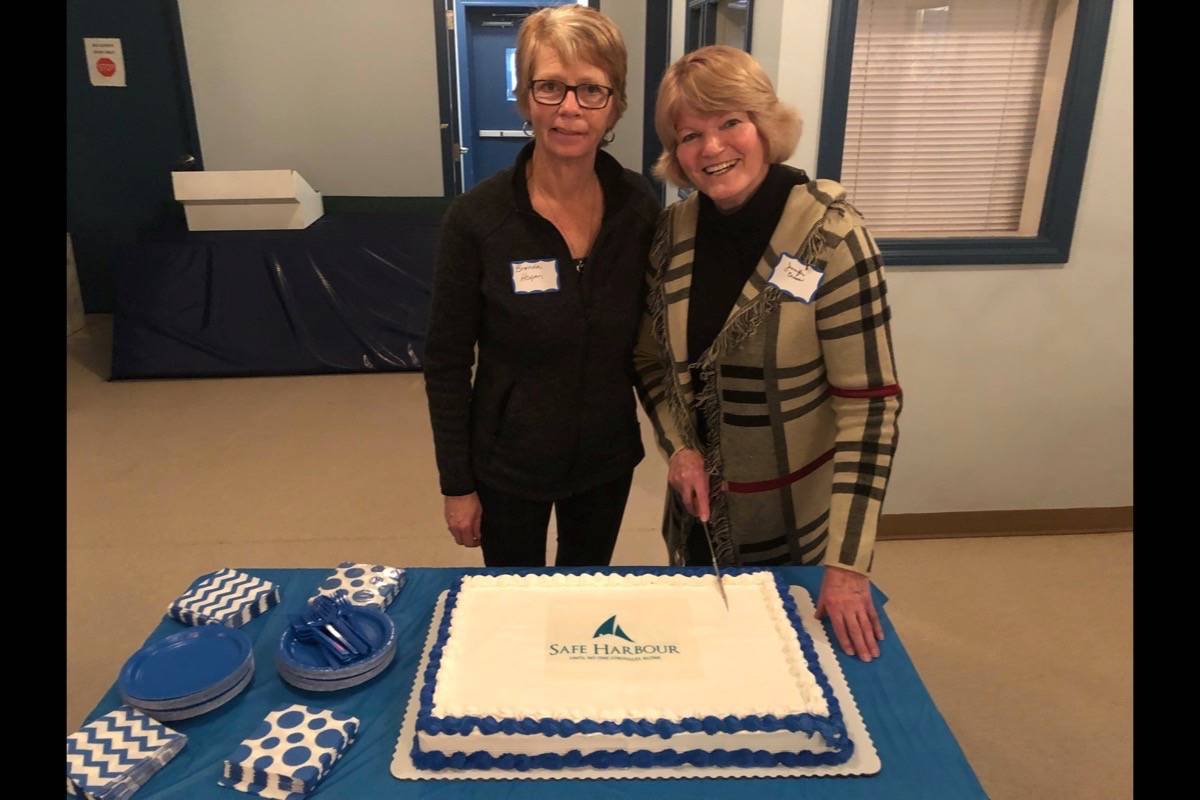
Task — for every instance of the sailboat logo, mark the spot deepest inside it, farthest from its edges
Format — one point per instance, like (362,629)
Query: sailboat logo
(611,628)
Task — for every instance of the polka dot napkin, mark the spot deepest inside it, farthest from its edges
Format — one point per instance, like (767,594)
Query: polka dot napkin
(365,584)
(290,752)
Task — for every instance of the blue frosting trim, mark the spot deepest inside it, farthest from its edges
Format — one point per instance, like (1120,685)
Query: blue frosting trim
(618,759)
(831,728)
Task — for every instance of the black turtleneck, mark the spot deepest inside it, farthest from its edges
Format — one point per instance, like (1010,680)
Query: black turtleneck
(728,247)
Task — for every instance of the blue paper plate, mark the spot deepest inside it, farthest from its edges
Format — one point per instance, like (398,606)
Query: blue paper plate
(211,704)
(325,685)
(185,663)
(306,659)
(288,669)
(211,692)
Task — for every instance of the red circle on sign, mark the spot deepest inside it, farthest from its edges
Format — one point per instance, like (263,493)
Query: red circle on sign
(106,67)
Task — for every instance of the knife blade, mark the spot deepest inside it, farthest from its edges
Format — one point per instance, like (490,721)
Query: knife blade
(716,569)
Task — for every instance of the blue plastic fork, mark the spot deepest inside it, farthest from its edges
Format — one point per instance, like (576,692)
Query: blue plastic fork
(336,655)
(333,611)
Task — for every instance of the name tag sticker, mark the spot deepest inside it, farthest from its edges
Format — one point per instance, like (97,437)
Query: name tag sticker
(533,277)
(795,278)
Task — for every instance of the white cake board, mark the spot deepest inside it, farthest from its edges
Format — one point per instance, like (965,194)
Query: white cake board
(864,761)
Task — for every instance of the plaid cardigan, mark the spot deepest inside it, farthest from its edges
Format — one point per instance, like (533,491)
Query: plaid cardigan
(800,391)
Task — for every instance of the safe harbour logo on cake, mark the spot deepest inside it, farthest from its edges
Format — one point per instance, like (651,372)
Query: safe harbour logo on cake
(606,649)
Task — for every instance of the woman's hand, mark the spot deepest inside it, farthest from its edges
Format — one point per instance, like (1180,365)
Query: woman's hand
(685,473)
(846,598)
(463,516)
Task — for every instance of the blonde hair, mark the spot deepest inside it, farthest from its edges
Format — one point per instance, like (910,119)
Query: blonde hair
(715,79)
(574,33)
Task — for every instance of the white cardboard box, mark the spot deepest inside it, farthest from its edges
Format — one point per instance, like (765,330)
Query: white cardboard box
(247,200)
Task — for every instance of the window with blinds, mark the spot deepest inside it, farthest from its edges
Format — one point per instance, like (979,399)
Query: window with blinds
(952,112)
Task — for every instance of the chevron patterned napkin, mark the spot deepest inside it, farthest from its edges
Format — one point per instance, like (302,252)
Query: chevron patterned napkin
(113,756)
(227,597)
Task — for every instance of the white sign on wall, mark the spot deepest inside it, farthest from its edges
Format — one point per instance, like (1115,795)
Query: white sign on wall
(106,64)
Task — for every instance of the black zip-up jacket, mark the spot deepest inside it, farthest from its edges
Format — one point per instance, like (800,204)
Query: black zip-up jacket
(552,409)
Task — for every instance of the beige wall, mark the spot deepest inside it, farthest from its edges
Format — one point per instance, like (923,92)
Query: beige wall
(274,88)
(1017,380)
(345,92)
(630,17)
(802,34)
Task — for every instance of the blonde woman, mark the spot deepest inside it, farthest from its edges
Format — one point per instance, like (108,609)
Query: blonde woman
(541,268)
(765,360)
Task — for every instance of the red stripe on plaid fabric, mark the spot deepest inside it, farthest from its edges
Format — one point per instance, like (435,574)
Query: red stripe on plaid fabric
(882,391)
(775,483)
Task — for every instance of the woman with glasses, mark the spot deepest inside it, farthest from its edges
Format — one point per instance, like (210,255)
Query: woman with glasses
(766,358)
(541,270)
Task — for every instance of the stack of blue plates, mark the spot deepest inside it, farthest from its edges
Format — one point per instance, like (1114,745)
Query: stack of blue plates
(188,674)
(303,664)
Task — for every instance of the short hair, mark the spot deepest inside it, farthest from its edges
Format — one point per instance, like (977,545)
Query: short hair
(574,33)
(715,79)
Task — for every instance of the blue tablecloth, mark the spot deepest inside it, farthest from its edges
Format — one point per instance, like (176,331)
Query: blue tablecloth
(920,757)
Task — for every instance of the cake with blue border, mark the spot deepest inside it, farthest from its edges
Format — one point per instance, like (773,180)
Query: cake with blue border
(624,669)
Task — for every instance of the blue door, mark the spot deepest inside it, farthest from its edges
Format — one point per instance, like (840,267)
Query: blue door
(124,142)
(491,124)
(496,134)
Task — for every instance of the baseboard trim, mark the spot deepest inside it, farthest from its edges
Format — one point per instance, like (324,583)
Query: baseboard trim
(1032,522)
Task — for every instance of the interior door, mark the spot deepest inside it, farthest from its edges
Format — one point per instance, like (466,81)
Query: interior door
(123,142)
(495,125)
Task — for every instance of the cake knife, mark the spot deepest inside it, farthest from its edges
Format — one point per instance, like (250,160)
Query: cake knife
(716,569)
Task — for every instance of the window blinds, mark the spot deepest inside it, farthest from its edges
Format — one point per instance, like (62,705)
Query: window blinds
(943,108)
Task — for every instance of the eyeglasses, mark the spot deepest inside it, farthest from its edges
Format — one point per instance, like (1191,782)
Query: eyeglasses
(587,95)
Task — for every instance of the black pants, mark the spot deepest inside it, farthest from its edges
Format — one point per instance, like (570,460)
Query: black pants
(514,528)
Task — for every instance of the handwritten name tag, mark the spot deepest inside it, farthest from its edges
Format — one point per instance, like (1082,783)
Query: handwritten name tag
(795,278)
(531,277)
